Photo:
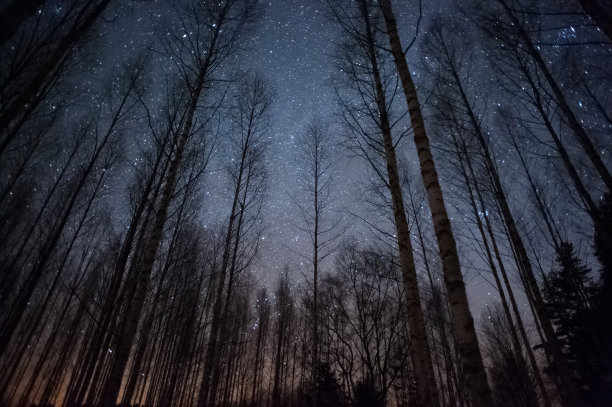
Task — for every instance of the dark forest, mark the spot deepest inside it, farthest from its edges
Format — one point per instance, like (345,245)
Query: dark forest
(309,203)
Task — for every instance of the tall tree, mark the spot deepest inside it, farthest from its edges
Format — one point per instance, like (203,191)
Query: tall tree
(463,322)
(316,156)
(371,136)
(202,48)
(569,299)
(455,109)
(247,166)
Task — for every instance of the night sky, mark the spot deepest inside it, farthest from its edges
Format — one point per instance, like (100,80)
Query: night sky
(156,222)
(293,47)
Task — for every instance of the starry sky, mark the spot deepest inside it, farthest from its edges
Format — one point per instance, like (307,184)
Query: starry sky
(292,47)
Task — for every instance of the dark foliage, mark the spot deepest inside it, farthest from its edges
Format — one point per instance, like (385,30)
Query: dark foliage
(570,294)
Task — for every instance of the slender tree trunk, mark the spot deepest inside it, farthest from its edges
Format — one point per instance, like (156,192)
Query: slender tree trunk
(421,355)
(463,322)
(9,274)
(436,354)
(27,100)
(315,288)
(207,397)
(532,287)
(591,207)
(476,127)
(278,363)
(573,123)
(519,322)
(113,385)
(20,305)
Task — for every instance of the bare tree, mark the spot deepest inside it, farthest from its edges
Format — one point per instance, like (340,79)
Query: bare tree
(455,112)
(104,143)
(247,165)
(369,77)
(316,177)
(463,322)
(199,53)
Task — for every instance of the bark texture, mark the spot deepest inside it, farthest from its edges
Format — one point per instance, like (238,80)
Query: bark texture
(463,322)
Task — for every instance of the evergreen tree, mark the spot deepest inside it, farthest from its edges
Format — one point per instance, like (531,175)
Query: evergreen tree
(327,387)
(366,395)
(569,298)
(604,300)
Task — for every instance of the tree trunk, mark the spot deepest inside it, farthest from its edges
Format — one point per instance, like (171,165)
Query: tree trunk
(519,322)
(122,350)
(427,391)
(463,322)
(29,97)
(532,287)
(573,123)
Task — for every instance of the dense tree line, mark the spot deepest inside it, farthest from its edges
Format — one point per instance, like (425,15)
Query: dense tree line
(115,291)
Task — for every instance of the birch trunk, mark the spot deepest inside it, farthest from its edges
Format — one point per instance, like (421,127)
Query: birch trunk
(427,392)
(463,322)
(111,391)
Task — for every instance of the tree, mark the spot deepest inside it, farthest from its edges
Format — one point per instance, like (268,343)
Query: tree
(455,110)
(247,169)
(370,128)
(327,389)
(205,45)
(511,378)
(285,314)
(104,145)
(263,308)
(604,294)
(455,287)
(316,155)
(569,300)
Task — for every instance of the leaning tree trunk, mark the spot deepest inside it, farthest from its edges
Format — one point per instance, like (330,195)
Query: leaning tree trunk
(212,358)
(29,97)
(427,391)
(113,385)
(519,322)
(463,322)
(569,116)
(553,346)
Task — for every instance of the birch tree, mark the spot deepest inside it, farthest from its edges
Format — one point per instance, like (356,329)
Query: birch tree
(463,321)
